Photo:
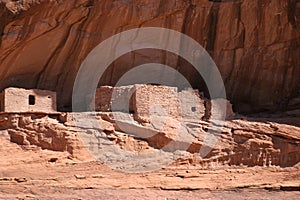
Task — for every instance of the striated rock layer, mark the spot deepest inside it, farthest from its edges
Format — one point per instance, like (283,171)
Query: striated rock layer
(240,142)
(255,44)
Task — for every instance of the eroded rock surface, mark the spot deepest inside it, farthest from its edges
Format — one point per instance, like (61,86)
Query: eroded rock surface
(255,44)
(240,142)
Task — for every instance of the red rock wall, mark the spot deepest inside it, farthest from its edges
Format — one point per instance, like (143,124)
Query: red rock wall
(255,44)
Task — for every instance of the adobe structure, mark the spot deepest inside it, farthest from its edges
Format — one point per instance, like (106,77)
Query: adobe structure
(18,100)
(147,100)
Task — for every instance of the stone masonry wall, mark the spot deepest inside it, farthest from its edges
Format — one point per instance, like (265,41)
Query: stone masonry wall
(147,100)
(157,101)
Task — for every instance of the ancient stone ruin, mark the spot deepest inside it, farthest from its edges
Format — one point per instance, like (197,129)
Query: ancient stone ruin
(127,114)
(18,100)
(146,100)
(142,100)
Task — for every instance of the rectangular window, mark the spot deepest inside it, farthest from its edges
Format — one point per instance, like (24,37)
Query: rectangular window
(31,100)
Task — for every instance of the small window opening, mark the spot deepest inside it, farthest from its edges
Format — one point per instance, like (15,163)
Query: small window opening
(154,84)
(193,109)
(31,100)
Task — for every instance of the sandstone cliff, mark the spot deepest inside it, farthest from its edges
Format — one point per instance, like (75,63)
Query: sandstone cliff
(255,44)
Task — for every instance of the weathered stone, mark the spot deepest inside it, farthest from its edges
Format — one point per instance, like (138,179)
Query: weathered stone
(80,176)
(192,106)
(114,99)
(150,100)
(250,143)
(255,44)
(103,99)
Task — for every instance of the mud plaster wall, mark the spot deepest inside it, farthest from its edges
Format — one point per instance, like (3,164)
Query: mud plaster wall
(22,100)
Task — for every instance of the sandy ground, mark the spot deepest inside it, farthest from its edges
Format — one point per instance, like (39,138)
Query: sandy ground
(33,173)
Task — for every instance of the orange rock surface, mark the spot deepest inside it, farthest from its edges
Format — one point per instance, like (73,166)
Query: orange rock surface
(255,43)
